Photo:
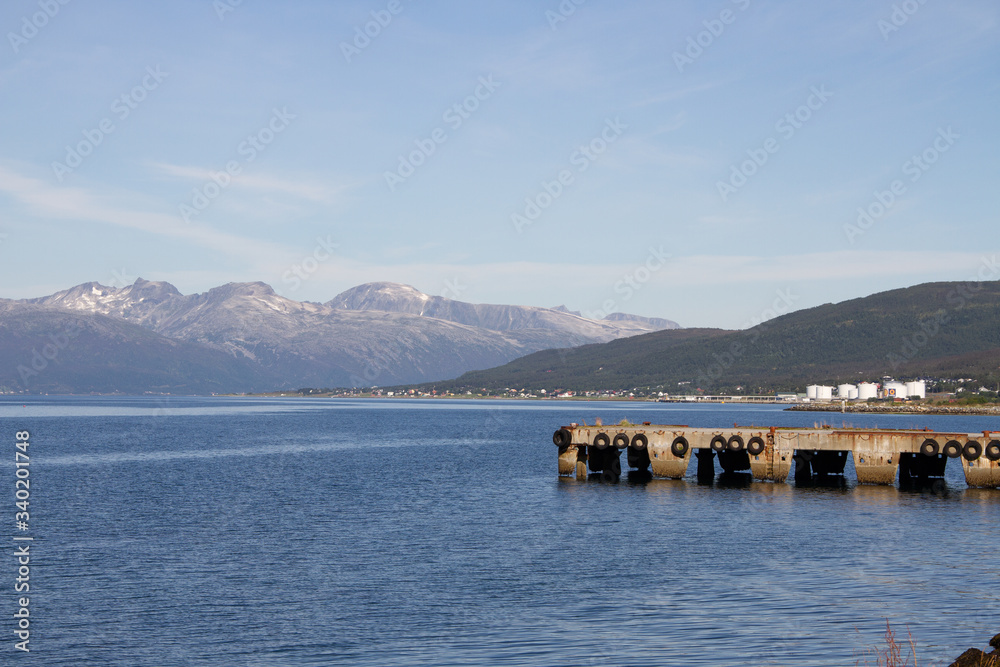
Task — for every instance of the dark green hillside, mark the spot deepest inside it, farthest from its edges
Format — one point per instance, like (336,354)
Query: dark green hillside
(936,329)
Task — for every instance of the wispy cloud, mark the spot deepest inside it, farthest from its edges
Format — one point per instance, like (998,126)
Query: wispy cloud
(309,190)
(43,200)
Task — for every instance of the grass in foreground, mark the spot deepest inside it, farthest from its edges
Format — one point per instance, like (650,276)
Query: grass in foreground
(892,654)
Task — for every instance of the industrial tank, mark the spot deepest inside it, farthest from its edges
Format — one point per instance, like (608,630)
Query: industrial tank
(867,390)
(895,390)
(845,390)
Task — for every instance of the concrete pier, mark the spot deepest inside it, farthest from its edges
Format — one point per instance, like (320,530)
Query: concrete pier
(768,453)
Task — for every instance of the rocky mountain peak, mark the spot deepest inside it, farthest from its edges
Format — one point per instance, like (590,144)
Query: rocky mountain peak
(152,290)
(231,290)
(389,297)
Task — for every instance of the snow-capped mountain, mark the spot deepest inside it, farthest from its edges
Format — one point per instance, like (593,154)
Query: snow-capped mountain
(396,298)
(376,334)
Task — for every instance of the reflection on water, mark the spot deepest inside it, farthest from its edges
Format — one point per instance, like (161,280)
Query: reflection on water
(734,480)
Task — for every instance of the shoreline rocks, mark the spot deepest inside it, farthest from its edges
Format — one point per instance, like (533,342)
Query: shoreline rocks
(976,658)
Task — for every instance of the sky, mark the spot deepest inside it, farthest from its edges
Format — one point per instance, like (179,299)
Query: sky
(715,163)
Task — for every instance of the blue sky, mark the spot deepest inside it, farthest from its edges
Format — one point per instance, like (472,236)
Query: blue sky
(701,161)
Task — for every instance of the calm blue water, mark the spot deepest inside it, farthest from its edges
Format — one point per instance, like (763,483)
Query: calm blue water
(327,532)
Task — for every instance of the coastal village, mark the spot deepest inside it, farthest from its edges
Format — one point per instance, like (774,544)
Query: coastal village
(887,392)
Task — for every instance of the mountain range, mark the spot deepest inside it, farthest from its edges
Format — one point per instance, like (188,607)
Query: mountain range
(243,337)
(934,330)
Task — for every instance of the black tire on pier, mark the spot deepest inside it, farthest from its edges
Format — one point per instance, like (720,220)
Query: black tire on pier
(735,444)
(562,437)
(952,449)
(972,450)
(639,441)
(718,444)
(679,447)
(755,447)
(929,447)
(621,441)
(601,441)
(993,450)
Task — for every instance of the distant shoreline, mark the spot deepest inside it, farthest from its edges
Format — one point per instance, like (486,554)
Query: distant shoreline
(904,409)
(991,409)
(462,397)
(985,410)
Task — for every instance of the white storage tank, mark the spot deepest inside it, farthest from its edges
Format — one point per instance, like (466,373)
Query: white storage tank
(917,388)
(895,390)
(867,390)
(853,394)
(824,393)
(811,392)
(844,391)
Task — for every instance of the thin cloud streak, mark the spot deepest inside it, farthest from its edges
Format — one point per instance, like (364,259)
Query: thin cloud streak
(311,191)
(73,203)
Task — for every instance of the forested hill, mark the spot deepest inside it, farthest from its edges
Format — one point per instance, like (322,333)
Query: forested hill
(931,330)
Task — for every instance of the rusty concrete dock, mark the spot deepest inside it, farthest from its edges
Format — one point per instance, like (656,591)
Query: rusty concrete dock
(879,455)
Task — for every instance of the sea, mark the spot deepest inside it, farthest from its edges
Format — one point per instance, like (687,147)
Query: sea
(258,532)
